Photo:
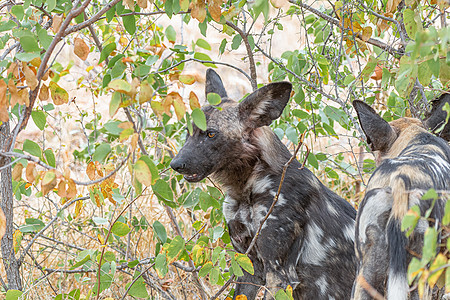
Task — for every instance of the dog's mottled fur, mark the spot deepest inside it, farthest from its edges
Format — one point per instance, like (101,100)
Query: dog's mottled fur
(411,161)
(308,240)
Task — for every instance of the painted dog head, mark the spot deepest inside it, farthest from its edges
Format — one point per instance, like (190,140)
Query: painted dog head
(232,127)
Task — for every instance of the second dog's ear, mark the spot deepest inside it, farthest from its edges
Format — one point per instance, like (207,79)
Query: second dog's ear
(380,135)
(214,84)
(264,105)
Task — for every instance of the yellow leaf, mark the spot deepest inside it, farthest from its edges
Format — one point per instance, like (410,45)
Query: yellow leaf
(31,172)
(184,5)
(36,62)
(145,93)
(78,207)
(187,79)
(142,173)
(178,105)
(101,239)
(241,297)
(193,101)
(81,49)
(123,41)
(338,8)
(157,107)
(44,93)
(120,85)
(356,27)
(366,34)
(17,240)
(17,172)
(59,95)
(2,224)
(439,262)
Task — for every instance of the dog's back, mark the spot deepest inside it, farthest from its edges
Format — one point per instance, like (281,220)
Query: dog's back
(412,161)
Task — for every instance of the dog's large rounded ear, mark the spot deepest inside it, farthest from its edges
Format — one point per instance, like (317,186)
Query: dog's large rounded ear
(264,105)
(380,135)
(214,84)
(437,117)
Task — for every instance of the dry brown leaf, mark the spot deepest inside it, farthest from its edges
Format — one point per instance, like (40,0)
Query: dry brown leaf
(366,34)
(14,69)
(62,189)
(129,4)
(17,172)
(279,3)
(15,98)
(4,117)
(2,224)
(90,171)
(57,20)
(214,9)
(31,172)
(125,125)
(71,191)
(48,182)
(145,93)
(24,97)
(134,140)
(198,10)
(377,73)
(30,77)
(81,49)
(45,76)
(44,93)
(391,5)
(142,3)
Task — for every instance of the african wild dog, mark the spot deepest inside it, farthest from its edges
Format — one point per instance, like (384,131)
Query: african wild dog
(436,117)
(307,241)
(411,161)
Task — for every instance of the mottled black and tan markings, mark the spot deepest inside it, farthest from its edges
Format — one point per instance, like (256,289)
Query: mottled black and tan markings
(307,242)
(411,161)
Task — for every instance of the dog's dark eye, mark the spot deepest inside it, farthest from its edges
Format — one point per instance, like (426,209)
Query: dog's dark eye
(211,134)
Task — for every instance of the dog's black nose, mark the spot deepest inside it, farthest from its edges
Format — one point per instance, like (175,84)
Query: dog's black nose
(178,165)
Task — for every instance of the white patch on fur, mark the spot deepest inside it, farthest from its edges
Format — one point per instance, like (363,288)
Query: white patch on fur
(397,287)
(331,209)
(374,207)
(313,251)
(228,208)
(322,284)
(349,232)
(262,185)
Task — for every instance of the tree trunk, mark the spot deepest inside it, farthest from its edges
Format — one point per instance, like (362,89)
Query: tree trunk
(9,260)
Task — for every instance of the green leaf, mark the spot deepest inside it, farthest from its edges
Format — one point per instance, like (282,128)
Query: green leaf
(369,68)
(205,269)
(27,56)
(245,263)
(410,220)
(133,263)
(32,225)
(161,265)
(236,42)
(214,99)
(429,244)
(171,34)
(214,275)
(162,189)
(312,160)
(410,22)
(120,85)
(120,229)
(116,100)
(430,195)
(160,231)
(118,69)
(199,118)
(138,289)
(39,119)
(18,11)
(222,46)
(6,26)
(81,262)
(203,44)
(206,201)
(32,148)
(205,57)
(424,73)
(29,43)
(101,152)
(446,219)
(51,4)
(44,38)
(142,173)
(129,22)
(13,294)
(106,51)
(292,135)
(50,158)
(236,268)
(175,248)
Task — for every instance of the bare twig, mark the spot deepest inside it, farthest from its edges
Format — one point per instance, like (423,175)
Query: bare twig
(369,289)
(251,59)
(27,248)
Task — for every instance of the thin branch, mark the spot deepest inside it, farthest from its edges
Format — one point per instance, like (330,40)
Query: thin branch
(7,51)
(369,289)
(336,22)
(27,248)
(251,59)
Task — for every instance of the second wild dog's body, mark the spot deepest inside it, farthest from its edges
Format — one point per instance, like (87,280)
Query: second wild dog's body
(412,161)
(307,241)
